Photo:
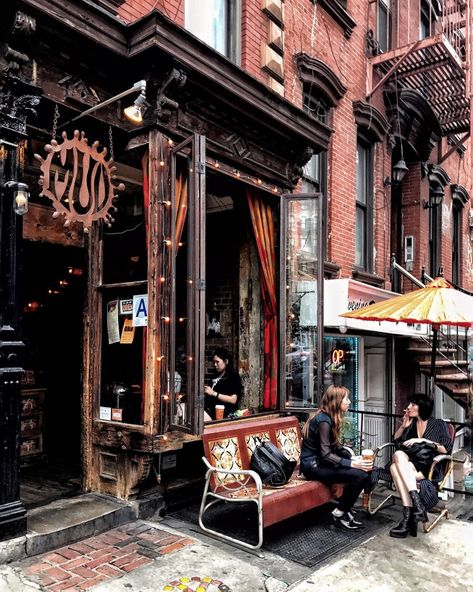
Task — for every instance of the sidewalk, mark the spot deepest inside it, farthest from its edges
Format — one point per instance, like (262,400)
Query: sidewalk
(154,556)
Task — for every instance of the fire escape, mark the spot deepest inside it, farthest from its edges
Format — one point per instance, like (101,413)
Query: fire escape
(432,56)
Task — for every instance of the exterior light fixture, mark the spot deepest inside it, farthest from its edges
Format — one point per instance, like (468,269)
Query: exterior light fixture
(135,111)
(435,197)
(399,171)
(21,196)
(139,103)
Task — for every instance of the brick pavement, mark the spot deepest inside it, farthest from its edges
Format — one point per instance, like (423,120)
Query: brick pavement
(82,565)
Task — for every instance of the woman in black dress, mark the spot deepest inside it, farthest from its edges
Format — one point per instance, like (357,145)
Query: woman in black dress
(409,473)
(323,458)
(226,388)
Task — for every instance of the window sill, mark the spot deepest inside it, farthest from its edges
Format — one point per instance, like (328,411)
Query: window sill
(331,270)
(368,278)
(339,15)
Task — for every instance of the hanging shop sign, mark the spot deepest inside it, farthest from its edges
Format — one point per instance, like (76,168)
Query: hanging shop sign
(79,181)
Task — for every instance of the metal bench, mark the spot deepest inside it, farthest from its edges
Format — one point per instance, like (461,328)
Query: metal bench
(228,448)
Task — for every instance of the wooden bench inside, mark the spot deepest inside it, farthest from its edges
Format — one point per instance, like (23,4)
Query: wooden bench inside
(228,448)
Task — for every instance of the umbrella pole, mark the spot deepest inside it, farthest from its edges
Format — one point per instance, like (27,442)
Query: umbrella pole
(433,358)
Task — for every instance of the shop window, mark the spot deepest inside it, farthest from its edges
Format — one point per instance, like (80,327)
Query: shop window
(123,293)
(364,207)
(341,367)
(302,285)
(217,23)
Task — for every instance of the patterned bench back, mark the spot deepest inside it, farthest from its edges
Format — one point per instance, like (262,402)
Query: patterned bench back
(230,445)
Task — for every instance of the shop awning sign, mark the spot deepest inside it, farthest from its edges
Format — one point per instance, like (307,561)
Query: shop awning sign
(140,310)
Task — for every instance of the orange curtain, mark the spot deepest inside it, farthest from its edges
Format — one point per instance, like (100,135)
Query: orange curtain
(263,226)
(181,206)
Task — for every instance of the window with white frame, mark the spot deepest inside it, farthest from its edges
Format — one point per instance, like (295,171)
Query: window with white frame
(364,206)
(217,23)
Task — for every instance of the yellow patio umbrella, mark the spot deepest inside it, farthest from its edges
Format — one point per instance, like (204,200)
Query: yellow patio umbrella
(438,303)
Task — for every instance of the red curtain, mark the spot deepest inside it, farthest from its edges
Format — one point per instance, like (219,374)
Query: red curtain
(263,226)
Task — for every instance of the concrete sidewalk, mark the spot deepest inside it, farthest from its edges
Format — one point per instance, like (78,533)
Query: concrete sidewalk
(154,556)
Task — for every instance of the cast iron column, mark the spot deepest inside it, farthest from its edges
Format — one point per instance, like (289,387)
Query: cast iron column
(12,512)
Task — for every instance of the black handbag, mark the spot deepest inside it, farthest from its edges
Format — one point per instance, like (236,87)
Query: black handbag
(271,464)
(421,454)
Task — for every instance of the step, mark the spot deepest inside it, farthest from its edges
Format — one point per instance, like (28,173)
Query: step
(66,521)
(445,363)
(428,350)
(457,377)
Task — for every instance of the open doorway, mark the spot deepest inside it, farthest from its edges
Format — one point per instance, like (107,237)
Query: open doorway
(53,280)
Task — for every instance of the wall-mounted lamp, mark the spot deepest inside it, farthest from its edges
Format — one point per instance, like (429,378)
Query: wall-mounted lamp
(399,172)
(21,196)
(134,112)
(435,197)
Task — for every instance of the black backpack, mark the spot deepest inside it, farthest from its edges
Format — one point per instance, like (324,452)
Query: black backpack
(271,464)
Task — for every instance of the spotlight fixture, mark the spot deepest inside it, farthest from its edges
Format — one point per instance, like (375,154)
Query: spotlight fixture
(135,112)
(139,103)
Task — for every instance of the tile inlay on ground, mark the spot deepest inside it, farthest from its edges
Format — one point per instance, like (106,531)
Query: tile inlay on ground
(82,565)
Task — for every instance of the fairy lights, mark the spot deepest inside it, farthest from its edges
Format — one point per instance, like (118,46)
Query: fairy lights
(237,174)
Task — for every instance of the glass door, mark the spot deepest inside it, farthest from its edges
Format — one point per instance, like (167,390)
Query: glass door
(186,263)
(301,301)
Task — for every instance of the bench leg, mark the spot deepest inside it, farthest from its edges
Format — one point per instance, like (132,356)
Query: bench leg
(204,506)
(428,526)
(391,497)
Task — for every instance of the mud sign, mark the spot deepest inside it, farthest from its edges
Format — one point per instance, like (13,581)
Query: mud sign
(197,584)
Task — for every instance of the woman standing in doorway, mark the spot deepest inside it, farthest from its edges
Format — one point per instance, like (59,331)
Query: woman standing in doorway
(420,437)
(226,388)
(323,458)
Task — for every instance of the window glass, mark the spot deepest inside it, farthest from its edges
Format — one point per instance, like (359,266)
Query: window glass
(122,360)
(341,368)
(124,244)
(383,25)
(209,21)
(363,222)
(301,284)
(457,243)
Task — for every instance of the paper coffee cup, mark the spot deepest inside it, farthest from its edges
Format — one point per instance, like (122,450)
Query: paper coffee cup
(219,409)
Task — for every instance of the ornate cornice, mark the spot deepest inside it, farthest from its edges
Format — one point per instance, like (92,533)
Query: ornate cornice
(315,72)
(413,122)
(437,175)
(375,125)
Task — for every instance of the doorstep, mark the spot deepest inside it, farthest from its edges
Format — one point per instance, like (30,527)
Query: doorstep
(67,521)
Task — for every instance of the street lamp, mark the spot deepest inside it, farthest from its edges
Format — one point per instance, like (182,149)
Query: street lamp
(435,197)
(399,172)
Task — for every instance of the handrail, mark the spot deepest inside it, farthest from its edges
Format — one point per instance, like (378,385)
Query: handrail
(405,273)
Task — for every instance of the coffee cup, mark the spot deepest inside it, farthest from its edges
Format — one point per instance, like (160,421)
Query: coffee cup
(219,410)
(367,457)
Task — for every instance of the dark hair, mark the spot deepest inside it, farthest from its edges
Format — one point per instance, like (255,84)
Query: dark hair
(425,403)
(224,354)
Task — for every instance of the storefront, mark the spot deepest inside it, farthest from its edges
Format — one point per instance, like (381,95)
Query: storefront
(194,241)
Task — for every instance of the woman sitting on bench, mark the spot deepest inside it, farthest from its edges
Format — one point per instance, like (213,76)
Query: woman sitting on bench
(324,459)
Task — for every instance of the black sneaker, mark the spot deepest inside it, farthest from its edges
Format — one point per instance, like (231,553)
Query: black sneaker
(345,522)
(352,515)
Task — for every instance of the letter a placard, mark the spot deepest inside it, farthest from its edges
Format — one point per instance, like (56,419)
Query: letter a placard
(140,310)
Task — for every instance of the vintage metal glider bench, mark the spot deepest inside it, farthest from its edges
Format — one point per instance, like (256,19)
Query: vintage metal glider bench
(228,447)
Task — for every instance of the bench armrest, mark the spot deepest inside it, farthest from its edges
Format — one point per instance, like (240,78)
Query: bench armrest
(436,460)
(382,447)
(247,474)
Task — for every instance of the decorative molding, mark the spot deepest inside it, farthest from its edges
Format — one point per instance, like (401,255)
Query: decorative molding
(316,73)
(459,194)
(274,9)
(296,168)
(275,37)
(164,104)
(276,86)
(76,90)
(373,123)
(413,122)
(339,14)
(368,278)
(331,270)
(273,63)
(437,175)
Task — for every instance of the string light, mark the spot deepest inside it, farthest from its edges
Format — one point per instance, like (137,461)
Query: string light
(166,319)
(216,164)
(162,279)
(182,319)
(234,172)
(259,181)
(167,242)
(160,358)
(170,142)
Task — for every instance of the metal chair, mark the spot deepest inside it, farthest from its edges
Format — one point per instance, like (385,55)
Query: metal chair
(441,508)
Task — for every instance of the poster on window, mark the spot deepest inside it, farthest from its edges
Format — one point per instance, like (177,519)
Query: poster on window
(214,328)
(113,329)
(140,310)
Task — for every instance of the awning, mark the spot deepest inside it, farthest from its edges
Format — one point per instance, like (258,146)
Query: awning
(346,294)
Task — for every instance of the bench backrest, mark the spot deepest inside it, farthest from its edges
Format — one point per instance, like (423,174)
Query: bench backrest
(230,445)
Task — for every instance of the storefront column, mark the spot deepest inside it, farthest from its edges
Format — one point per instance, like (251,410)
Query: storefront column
(12,512)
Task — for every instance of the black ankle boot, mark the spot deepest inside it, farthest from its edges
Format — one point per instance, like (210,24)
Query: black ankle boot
(412,524)
(419,512)
(403,528)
